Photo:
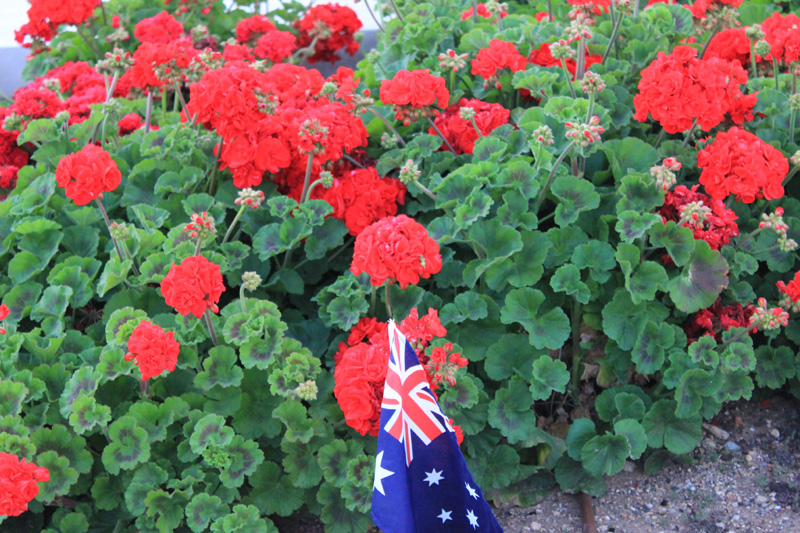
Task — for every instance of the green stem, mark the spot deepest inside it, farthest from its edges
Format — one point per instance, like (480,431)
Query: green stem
(353,161)
(307,180)
(394,6)
(569,79)
(753,58)
(372,14)
(213,181)
(439,132)
(714,31)
(776,73)
(581,66)
(749,236)
(241,298)
(235,220)
(164,104)
(130,258)
(765,250)
(549,181)
(790,176)
(199,245)
(475,11)
(185,106)
(312,186)
(689,133)
(791,125)
(89,42)
(108,227)
(387,124)
(145,387)
(148,114)
(475,125)
(660,138)
(373,300)
(614,33)
(427,191)
(207,316)
(591,105)
(577,356)
(388,301)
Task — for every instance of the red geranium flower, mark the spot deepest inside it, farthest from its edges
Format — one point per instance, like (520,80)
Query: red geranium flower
(86,174)
(717,319)
(791,289)
(193,286)
(275,45)
(544,58)
(4,312)
(780,31)
(413,92)
(460,132)
(739,163)
(163,28)
(716,228)
(153,349)
(250,29)
(45,16)
(700,7)
(396,248)
(333,26)
(499,55)
(731,45)
(482,12)
(361,197)
(19,483)
(678,88)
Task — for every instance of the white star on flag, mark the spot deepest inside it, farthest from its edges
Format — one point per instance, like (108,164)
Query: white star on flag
(433,477)
(473,520)
(380,474)
(445,516)
(471,491)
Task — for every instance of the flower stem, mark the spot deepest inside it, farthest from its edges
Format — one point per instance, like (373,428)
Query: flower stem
(791,125)
(164,104)
(145,386)
(689,133)
(475,11)
(198,246)
(113,86)
(388,301)
(438,131)
(307,180)
(230,228)
(207,316)
(178,92)
(612,41)
(790,176)
(130,258)
(549,181)
(108,226)
(353,161)
(577,356)
(89,42)
(580,68)
(591,107)
(213,181)
(372,301)
(372,14)
(148,115)
(776,73)
(387,124)
(394,6)
(569,79)
(241,298)
(714,31)
(753,58)
(477,129)
(426,190)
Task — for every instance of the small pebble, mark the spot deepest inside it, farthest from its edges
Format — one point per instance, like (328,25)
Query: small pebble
(536,526)
(732,446)
(775,433)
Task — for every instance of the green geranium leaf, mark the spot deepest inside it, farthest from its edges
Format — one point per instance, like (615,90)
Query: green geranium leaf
(62,476)
(121,324)
(86,414)
(738,355)
(623,320)
(695,384)
(635,433)
(639,192)
(632,225)
(245,458)
(334,458)
(53,303)
(579,433)
(704,351)
(567,279)
(12,395)
(511,355)
(74,278)
(128,446)
(203,509)
(629,154)
(83,381)
(548,375)
(168,507)
(219,369)
(605,454)
(210,431)
(665,429)
(651,346)
(269,478)
(774,365)
(598,257)
(576,195)
(511,411)
(146,478)
(678,240)
(466,306)
(523,268)
(550,329)
(702,279)
(113,274)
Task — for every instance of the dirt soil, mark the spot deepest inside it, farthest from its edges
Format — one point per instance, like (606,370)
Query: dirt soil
(744,480)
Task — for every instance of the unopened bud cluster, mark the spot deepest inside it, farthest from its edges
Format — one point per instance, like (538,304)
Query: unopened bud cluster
(496,8)
(450,60)
(765,318)
(562,50)
(117,60)
(775,222)
(361,102)
(307,390)
(312,135)
(762,48)
(268,103)
(794,160)
(62,116)
(53,84)
(694,214)
(585,134)
(250,197)
(409,172)
(664,173)
(592,83)
(170,73)
(466,113)
(578,30)
(119,232)
(794,102)
(326,179)
(543,135)
(389,141)
(250,281)
(201,225)
(754,32)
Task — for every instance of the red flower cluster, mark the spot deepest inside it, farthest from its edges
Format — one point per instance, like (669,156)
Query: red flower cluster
(10,152)
(132,122)
(700,7)
(333,27)
(150,55)
(19,483)
(730,45)
(361,197)
(678,88)
(739,163)
(86,174)
(791,289)
(8,177)
(398,249)
(543,57)
(482,12)
(163,29)
(412,93)
(44,17)
(361,365)
(153,349)
(275,46)
(782,32)
(193,286)
(4,312)
(499,55)
(716,227)
(717,319)
(460,132)
(250,29)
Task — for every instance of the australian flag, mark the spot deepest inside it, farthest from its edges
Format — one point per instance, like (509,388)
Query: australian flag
(422,484)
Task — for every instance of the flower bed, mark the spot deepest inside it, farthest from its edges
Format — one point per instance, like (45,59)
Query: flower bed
(580,215)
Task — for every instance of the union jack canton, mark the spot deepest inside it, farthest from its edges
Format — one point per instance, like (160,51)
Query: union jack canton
(422,484)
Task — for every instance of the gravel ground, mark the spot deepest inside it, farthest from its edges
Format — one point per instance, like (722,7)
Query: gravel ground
(744,480)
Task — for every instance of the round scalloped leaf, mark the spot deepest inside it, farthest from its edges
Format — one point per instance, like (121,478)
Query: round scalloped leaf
(18,445)
(147,477)
(53,303)
(634,432)
(605,454)
(210,431)
(62,476)
(665,429)
(244,519)
(121,324)
(245,458)
(62,441)
(113,364)
(219,369)
(335,514)
(548,375)
(107,492)
(86,413)
(266,481)
(578,434)
(128,446)
(548,330)
(510,410)
(12,395)
(203,509)
(235,331)
(167,506)
(357,491)
(702,279)
(84,381)
(333,459)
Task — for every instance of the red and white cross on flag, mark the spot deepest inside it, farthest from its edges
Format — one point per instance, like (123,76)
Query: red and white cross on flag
(408,394)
